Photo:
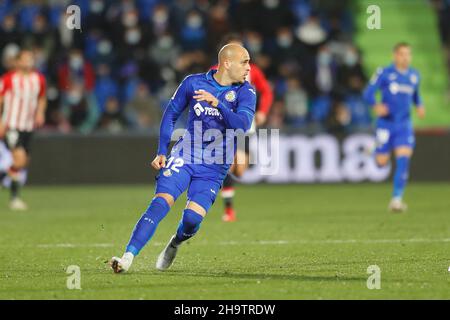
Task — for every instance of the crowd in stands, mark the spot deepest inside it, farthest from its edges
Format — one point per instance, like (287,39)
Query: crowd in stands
(118,72)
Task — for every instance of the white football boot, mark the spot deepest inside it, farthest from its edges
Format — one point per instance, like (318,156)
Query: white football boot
(122,264)
(167,256)
(18,204)
(397,205)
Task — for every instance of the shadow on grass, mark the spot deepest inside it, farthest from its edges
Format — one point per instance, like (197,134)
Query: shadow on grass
(254,276)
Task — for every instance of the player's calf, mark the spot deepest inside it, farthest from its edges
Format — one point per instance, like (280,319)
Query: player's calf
(188,227)
(142,233)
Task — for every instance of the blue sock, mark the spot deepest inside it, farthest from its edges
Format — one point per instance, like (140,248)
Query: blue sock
(400,176)
(147,224)
(189,225)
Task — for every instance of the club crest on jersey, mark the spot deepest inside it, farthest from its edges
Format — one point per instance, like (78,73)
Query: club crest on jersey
(167,173)
(413,79)
(230,96)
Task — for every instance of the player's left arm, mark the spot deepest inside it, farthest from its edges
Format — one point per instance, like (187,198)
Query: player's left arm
(42,103)
(417,99)
(243,117)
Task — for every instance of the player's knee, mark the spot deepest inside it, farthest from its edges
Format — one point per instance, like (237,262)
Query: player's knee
(20,162)
(197,208)
(382,161)
(403,152)
(166,196)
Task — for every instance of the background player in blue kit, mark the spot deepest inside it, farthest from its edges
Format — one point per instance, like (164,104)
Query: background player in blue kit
(399,86)
(217,101)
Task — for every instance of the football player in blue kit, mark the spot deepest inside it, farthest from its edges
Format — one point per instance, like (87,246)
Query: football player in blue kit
(218,101)
(399,86)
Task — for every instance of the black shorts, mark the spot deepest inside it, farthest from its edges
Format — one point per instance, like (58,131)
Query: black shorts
(18,139)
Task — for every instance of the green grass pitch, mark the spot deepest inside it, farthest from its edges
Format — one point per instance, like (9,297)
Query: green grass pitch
(291,242)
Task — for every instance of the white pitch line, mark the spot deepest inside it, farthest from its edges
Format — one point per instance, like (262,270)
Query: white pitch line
(335,241)
(72,245)
(262,242)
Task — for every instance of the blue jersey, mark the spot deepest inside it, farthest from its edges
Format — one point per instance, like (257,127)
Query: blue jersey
(398,90)
(236,110)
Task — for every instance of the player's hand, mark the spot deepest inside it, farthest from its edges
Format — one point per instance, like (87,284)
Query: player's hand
(39,120)
(420,112)
(202,95)
(381,110)
(260,118)
(159,162)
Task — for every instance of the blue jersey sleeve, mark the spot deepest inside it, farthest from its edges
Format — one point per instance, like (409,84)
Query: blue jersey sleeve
(372,87)
(417,98)
(174,109)
(243,117)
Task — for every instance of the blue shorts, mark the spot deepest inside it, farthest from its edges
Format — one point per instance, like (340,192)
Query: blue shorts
(391,136)
(202,183)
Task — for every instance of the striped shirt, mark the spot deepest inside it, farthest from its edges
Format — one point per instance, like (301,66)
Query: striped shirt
(21,93)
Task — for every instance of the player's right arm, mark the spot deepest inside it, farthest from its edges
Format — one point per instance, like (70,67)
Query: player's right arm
(174,109)
(374,85)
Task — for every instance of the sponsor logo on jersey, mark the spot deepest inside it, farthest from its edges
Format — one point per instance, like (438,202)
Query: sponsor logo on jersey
(392,76)
(208,111)
(395,88)
(198,109)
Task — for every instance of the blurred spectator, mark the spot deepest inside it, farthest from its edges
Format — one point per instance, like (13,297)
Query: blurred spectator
(339,118)
(325,71)
(311,32)
(141,49)
(296,103)
(193,32)
(111,119)
(105,86)
(276,115)
(76,69)
(9,31)
(9,55)
(142,111)
(77,109)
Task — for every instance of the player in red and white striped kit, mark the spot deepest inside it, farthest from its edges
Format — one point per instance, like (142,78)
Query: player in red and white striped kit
(22,109)
(241,161)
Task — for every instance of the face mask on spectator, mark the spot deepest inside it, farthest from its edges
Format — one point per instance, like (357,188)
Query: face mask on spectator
(194,21)
(76,62)
(104,47)
(165,42)
(350,58)
(284,41)
(254,46)
(74,97)
(324,58)
(96,6)
(133,36)
(271,4)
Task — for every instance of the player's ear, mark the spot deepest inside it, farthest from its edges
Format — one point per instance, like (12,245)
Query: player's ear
(227,64)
